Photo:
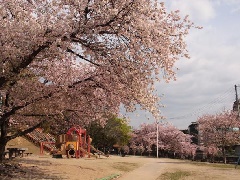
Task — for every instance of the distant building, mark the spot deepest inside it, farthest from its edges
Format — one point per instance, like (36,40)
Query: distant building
(236,105)
(193,130)
(185,131)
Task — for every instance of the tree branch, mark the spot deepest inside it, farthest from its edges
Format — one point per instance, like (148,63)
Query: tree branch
(80,56)
(25,131)
(16,108)
(25,62)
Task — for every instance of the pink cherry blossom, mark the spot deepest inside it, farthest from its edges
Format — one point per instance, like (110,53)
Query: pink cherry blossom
(73,62)
(217,132)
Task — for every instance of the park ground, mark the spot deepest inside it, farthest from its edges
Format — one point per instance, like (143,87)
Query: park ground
(122,168)
(43,167)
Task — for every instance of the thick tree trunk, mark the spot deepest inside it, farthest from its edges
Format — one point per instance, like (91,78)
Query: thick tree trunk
(3,139)
(3,144)
(224,155)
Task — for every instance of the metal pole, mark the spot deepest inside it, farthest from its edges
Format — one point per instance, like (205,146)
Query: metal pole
(237,100)
(157,139)
(236,92)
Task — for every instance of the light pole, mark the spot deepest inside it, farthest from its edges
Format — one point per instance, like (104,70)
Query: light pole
(157,138)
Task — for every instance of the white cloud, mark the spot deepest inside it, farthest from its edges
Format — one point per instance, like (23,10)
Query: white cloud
(197,10)
(236,10)
(205,83)
(233,4)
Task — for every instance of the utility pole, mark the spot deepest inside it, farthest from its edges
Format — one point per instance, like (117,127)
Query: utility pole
(237,100)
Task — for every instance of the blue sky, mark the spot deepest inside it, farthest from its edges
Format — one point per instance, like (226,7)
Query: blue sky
(205,82)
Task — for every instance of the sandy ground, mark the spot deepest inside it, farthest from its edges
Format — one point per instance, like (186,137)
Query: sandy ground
(123,168)
(84,168)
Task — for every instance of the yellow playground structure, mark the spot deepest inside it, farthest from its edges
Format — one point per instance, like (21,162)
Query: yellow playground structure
(75,144)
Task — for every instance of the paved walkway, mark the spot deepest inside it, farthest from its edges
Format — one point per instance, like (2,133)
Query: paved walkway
(149,171)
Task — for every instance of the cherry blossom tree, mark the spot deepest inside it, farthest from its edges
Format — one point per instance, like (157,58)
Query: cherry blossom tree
(219,131)
(134,148)
(141,149)
(140,139)
(171,139)
(66,62)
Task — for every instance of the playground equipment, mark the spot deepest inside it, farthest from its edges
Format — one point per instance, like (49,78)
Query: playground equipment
(75,143)
(44,143)
(98,151)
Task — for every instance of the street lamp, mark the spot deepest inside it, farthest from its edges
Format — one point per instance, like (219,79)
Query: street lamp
(157,138)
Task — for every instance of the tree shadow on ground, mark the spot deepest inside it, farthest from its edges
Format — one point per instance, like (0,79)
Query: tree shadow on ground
(175,162)
(14,170)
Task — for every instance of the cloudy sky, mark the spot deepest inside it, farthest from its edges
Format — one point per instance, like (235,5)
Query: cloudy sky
(205,83)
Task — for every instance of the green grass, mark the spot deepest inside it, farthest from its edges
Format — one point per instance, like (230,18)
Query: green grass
(113,176)
(174,175)
(215,165)
(180,174)
(125,166)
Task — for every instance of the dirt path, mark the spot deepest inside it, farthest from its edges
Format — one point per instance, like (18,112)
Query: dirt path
(149,171)
(156,169)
